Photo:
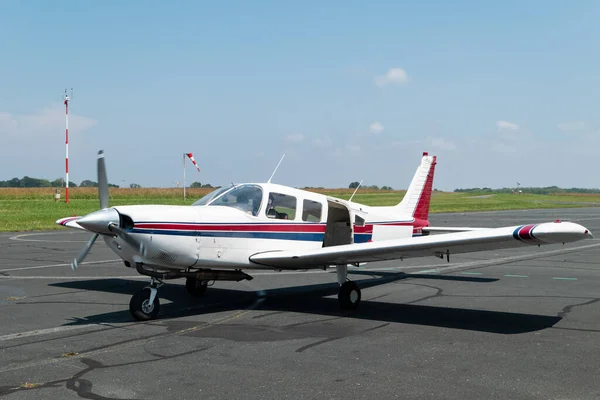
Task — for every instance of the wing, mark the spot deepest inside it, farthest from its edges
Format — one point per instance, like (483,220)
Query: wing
(70,222)
(437,245)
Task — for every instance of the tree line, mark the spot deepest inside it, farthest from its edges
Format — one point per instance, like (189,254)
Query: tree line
(28,182)
(354,185)
(531,190)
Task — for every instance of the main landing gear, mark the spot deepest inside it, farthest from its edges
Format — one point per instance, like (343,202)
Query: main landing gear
(144,305)
(196,287)
(349,294)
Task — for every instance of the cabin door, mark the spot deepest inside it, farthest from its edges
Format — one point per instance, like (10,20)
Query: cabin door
(339,225)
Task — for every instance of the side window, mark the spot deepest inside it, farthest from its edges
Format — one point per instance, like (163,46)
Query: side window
(281,206)
(311,211)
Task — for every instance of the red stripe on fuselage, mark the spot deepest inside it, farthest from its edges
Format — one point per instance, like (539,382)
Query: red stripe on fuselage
(318,228)
(270,227)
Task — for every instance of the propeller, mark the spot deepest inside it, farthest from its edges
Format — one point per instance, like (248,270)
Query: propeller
(104,221)
(102,181)
(83,252)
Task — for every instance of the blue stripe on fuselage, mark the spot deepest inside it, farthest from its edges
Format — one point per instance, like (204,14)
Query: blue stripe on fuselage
(301,236)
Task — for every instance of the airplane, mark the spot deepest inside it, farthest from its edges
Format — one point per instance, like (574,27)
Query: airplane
(258,226)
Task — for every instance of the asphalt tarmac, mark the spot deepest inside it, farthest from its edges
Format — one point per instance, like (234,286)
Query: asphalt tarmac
(513,324)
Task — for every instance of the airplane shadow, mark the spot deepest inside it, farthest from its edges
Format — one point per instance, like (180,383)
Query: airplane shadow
(312,299)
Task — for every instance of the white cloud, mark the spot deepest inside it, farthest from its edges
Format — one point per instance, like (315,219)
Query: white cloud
(295,138)
(376,128)
(443,144)
(507,126)
(394,76)
(324,142)
(571,126)
(46,122)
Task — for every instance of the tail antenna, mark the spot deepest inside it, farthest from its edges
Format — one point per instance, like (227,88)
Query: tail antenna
(273,174)
(355,190)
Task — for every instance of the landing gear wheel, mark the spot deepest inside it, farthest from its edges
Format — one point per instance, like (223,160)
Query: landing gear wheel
(196,287)
(349,296)
(140,307)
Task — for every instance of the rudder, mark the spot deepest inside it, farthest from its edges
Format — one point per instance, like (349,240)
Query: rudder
(417,199)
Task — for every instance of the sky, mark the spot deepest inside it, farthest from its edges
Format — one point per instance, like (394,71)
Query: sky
(500,92)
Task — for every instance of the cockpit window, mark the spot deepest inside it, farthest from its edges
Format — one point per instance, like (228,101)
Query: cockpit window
(207,198)
(281,206)
(245,197)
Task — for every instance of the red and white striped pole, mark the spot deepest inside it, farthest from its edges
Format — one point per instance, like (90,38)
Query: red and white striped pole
(66,147)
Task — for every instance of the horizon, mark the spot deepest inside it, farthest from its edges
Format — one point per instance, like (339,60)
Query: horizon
(364,186)
(500,92)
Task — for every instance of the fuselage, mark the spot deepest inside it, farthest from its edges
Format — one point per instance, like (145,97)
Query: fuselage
(226,227)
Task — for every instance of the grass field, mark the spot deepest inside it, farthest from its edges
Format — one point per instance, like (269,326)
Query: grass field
(23,209)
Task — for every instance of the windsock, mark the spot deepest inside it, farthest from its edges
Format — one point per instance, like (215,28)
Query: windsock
(191,157)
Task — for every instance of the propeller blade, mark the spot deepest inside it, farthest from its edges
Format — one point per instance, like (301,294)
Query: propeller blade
(81,256)
(102,181)
(130,240)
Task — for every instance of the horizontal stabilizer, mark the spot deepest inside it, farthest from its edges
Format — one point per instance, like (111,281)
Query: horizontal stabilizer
(70,222)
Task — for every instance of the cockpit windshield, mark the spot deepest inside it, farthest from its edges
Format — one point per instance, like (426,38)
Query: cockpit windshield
(207,198)
(247,198)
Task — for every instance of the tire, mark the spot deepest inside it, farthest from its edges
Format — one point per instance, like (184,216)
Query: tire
(196,287)
(138,306)
(349,296)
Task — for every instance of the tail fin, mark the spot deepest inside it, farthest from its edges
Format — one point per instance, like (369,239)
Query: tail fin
(418,196)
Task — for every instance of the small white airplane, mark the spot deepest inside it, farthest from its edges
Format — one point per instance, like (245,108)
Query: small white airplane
(255,226)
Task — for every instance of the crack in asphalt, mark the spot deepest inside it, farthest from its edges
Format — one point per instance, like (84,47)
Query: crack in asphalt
(83,387)
(566,310)
(338,337)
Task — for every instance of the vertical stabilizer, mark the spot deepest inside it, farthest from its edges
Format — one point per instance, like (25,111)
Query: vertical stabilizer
(418,196)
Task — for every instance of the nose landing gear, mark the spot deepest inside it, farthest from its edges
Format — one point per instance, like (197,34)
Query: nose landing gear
(144,305)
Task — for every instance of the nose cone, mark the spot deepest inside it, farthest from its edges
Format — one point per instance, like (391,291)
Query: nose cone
(98,221)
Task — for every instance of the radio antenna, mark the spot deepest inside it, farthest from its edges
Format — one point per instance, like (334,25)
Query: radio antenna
(355,190)
(269,181)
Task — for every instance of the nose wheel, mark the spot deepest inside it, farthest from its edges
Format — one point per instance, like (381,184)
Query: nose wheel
(144,305)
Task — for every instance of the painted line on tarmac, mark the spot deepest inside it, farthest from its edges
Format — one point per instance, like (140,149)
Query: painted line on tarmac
(47,331)
(516,276)
(75,278)
(507,260)
(20,237)
(564,279)
(59,265)
(429,268)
